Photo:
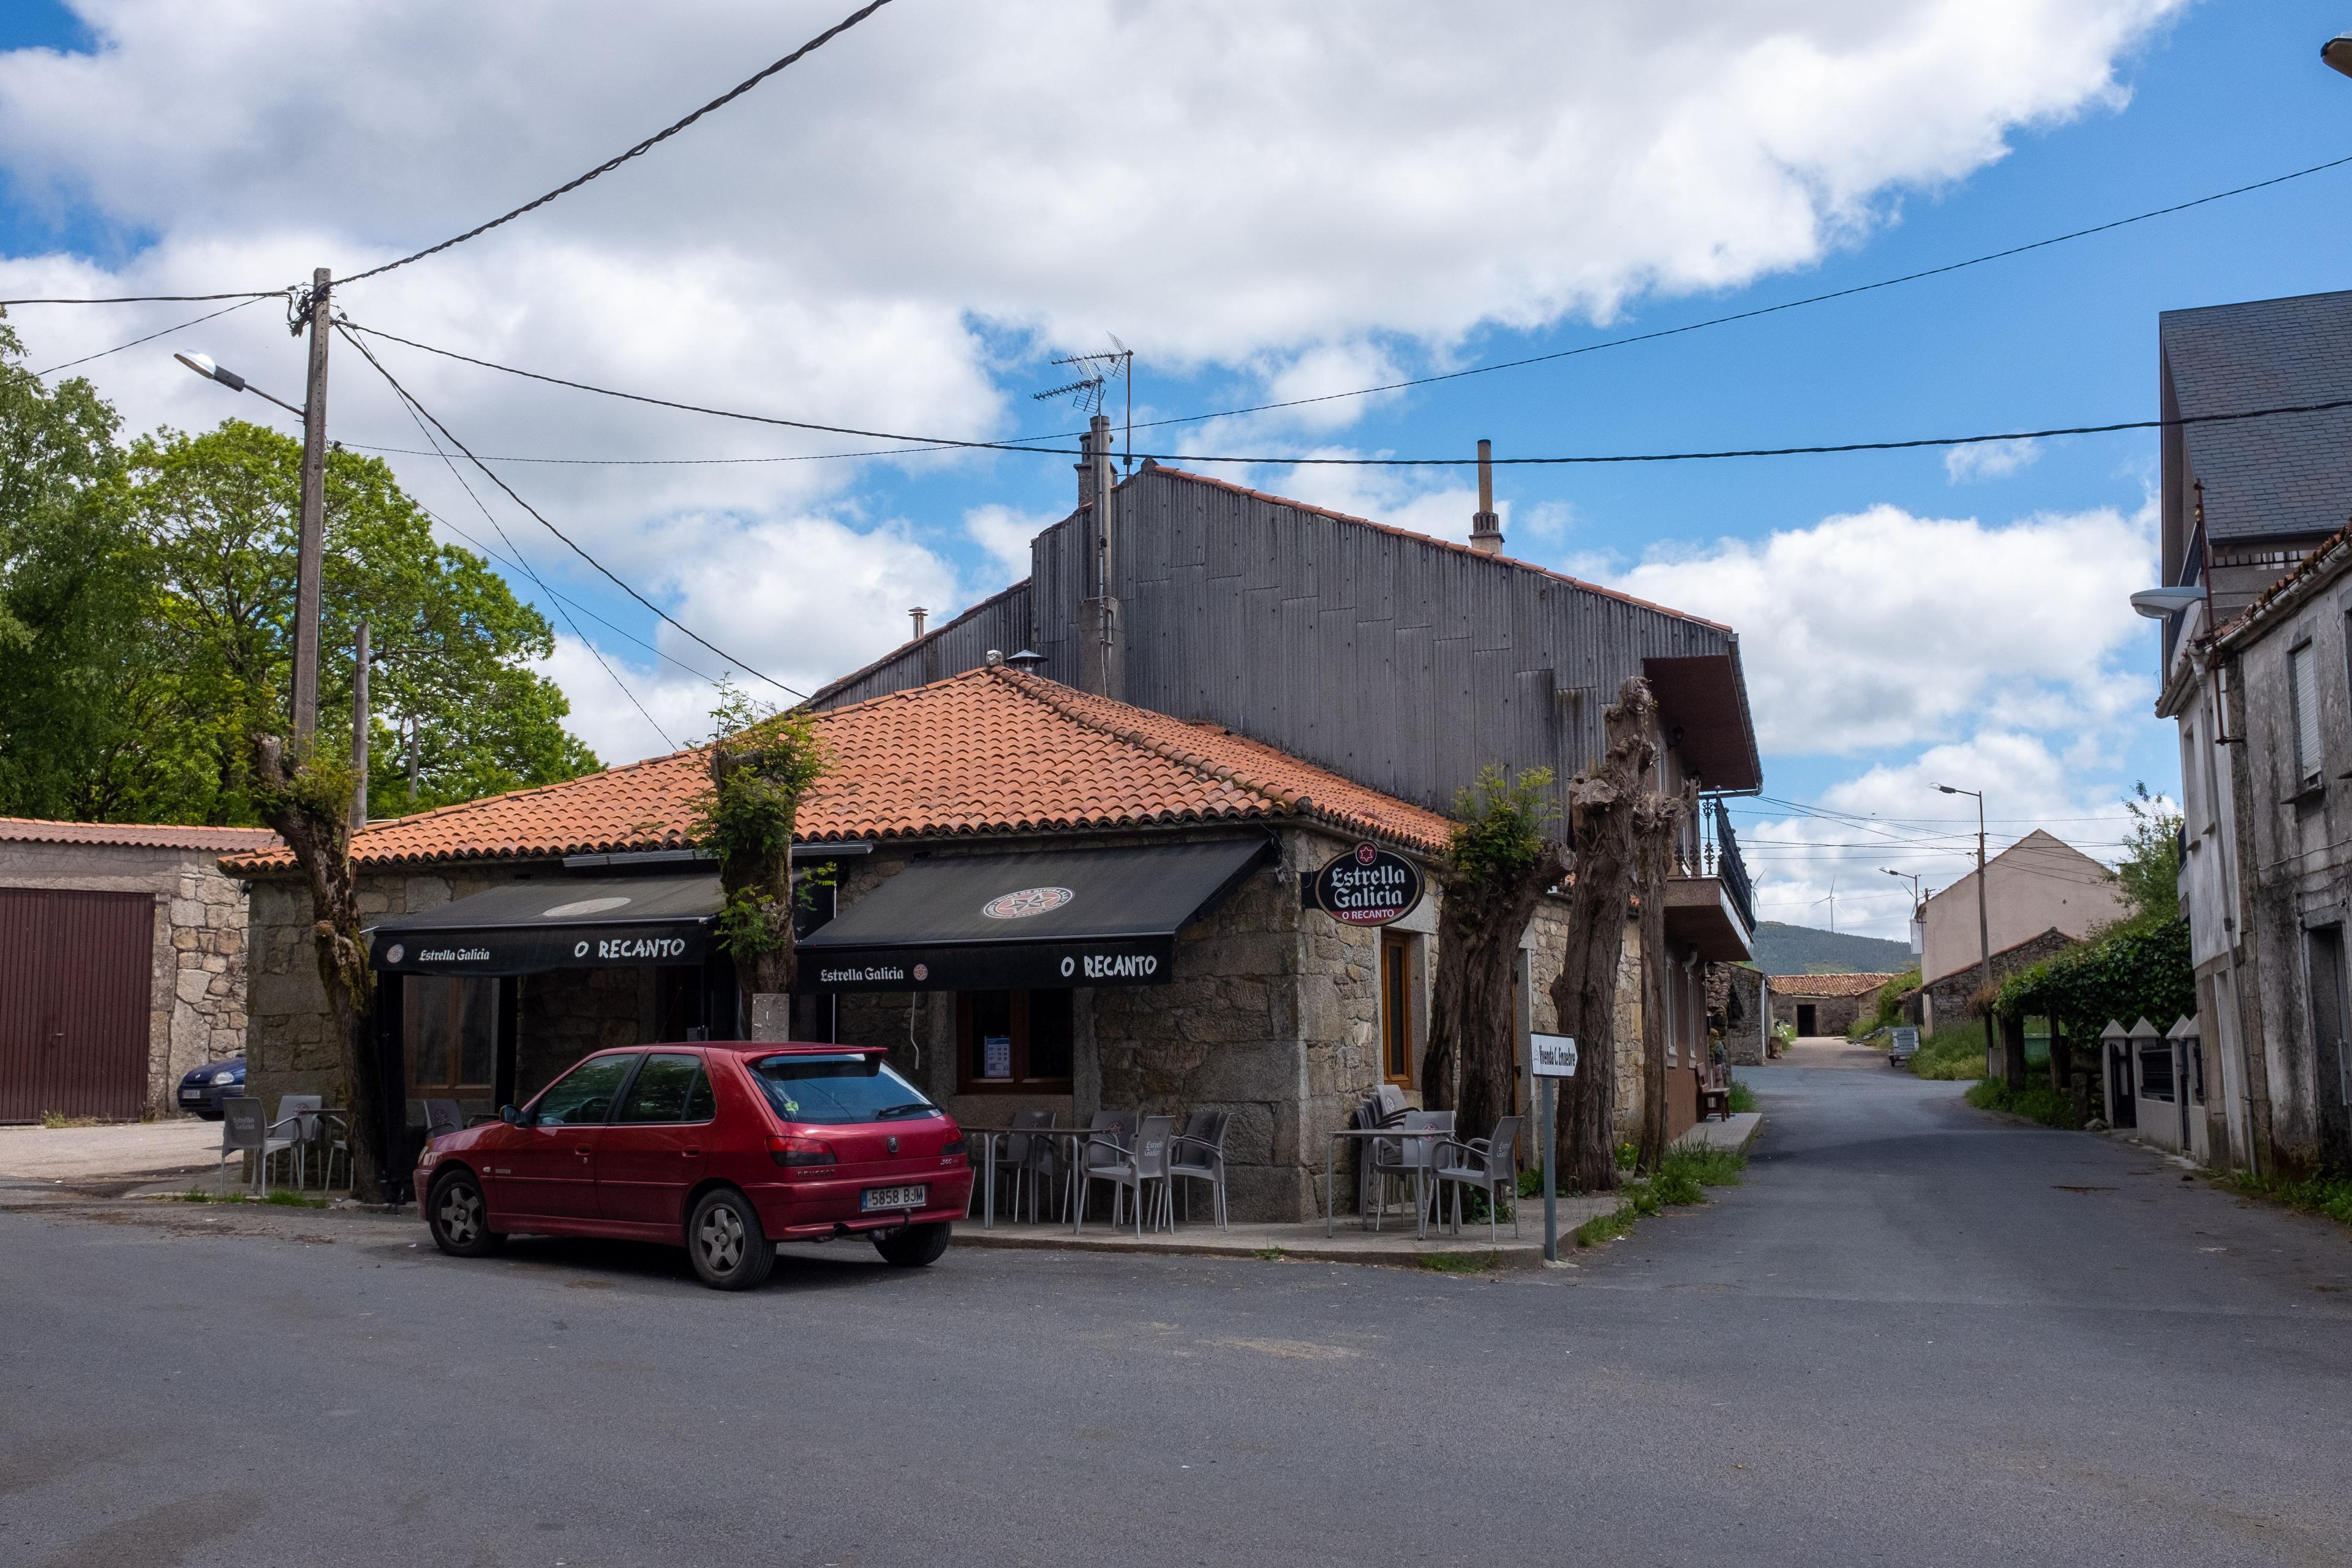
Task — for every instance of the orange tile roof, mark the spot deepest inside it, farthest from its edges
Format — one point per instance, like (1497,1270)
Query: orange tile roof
(135,834)
(989,751)
(1827,985)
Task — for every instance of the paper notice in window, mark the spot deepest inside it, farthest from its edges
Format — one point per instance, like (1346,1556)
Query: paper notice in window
(996,1056)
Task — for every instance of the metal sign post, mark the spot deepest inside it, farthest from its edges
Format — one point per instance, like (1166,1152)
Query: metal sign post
(1553,1057)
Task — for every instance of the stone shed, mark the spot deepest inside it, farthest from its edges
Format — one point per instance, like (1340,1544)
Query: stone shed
(1823,1004)
(1128,888)
(128,949)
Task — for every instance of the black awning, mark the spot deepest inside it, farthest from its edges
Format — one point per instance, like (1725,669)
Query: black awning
(561,924)
(1039,921)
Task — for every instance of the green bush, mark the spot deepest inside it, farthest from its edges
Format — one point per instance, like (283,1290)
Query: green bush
(1743,1098)
(2035,1102)
(1954,1051)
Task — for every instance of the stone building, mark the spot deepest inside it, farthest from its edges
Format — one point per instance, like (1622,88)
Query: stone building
(1823,1004)
(1157,860)
(130,950)
(1941,1003)
(2039,885)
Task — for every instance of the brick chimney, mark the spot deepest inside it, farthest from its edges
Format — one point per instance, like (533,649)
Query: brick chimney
(1485,528)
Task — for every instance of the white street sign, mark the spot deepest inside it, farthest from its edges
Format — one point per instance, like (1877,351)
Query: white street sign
(1555,1056)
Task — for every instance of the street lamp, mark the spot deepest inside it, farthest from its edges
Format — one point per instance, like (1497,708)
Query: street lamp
(2337,52)
(203,365)
(1984,922)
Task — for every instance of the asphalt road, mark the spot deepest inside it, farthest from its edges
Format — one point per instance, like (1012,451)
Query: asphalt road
(1917,1334)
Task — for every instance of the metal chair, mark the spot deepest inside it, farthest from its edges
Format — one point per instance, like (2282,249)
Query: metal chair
(1020,1156)
(299,1113)
(1404,1159)
(1491,1164)
(1198,1154)
(245,1131)
(1385,1107)
(335,1137)
(1119,1126)
(1133,1168)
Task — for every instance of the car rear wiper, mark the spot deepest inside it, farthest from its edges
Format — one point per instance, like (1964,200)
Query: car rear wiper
(912,1107)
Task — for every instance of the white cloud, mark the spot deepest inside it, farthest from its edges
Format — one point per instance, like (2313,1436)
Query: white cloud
(1004,532)
(1880,628)
(1991,459)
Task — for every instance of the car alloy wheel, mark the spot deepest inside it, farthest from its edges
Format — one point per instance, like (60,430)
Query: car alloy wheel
(723,1238)
(461,1219)
(461,1214)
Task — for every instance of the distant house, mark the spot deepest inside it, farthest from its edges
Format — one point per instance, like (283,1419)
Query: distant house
(1822,1003)
(2040,894)
(122,962)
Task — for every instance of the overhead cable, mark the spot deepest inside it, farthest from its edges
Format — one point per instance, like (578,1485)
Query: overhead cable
(1760,310)
(408,397)
(151,337)
(609,165)
(157,298)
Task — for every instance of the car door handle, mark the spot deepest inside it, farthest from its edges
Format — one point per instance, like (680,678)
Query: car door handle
(691,1153)
(584,1154)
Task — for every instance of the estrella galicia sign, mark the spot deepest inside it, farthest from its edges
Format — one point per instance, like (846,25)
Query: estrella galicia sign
(1367,885)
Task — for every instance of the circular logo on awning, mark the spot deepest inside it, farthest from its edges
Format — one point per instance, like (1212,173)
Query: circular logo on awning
(584,907)
(394,953)
(1028,902)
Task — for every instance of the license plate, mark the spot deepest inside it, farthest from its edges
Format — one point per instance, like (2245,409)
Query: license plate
(874,1198)
(191,1094)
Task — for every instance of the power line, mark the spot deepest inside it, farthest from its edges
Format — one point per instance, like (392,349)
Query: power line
(1761,310)
(593,652)
(609,165)
(926,442)
(151,337)
(660,462)
(938,442)
(405,397)
(157,298)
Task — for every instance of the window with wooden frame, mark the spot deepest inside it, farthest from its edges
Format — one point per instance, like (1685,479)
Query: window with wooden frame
(1396,1008)
(452,1025)
(1013,1042)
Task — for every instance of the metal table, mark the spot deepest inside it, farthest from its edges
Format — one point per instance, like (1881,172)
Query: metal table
(1420,1171)
(989,1135)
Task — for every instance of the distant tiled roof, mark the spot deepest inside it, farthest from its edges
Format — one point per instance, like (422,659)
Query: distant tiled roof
(136,834)
(2283,476)
(1827,985)
(991,750)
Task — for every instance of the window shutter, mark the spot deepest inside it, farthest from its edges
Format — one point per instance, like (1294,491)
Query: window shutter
(2303,696)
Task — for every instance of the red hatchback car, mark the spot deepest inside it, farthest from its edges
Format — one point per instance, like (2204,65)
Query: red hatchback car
(725,1150)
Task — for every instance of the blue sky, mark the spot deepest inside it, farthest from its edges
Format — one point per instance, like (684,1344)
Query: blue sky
(2206,98)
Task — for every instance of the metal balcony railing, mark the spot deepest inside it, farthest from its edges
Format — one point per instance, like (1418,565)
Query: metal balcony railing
(1722,852)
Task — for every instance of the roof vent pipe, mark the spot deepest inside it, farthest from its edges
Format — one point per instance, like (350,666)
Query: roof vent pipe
(920,616)
(1485,528)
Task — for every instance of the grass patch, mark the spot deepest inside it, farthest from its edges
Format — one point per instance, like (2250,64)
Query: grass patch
(288,1198)
(1270,1255)
(1460,1262)
(1681,1179)
(2035,1102)
(1954,1052)
(55,1120)
(198,1196)
(2330,1195)
(1743,1098)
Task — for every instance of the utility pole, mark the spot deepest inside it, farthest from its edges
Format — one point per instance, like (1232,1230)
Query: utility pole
(310,542)
(412,734)
(1984,922)
(360,729)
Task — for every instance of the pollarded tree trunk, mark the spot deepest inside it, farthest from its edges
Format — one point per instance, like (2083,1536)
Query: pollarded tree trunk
(1584,997)
(1655,820)
(309,805)
(1474,995)
(760,770)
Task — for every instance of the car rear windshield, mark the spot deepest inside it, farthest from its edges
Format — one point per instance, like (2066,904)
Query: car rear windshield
(830,1091)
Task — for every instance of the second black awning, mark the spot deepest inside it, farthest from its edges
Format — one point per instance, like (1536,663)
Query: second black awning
(1036,922)
(524,927)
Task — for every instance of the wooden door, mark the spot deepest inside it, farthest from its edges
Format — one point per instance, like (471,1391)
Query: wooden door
(75,973)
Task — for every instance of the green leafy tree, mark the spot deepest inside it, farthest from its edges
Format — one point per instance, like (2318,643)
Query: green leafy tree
(2150,872)
(762,764)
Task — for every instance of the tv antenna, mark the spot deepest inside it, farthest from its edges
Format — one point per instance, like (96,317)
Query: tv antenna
(1098,369)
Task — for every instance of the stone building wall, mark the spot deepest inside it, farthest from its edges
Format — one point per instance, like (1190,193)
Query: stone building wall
(197,973)
(1735,1003)
(1831,1015)
(1947,1001)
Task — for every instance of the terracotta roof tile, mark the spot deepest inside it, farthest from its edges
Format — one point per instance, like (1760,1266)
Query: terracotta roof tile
(991,750)
(1827,985)
(136,834)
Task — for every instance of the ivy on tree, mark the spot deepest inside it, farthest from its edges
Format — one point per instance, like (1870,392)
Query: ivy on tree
(761,766)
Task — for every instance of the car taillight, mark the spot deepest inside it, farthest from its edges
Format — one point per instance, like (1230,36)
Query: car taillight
(954,1145)
(793,1153)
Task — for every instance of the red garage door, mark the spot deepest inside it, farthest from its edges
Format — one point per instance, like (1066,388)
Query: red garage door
(74,976)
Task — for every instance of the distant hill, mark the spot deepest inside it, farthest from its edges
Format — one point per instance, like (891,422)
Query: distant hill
(1802,949)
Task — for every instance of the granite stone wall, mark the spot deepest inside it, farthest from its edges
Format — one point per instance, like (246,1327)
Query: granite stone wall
(1946,1000)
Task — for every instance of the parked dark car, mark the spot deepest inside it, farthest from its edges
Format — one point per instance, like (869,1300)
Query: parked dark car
(204,1089)
(724,1150)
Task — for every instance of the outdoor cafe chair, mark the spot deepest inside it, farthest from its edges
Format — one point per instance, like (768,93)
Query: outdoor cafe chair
(298,1114)
(442,1116)
(335,1137)
(1386,1108)
(1198,1154)
(1133,1168)
(1022,1156)
(244,1130)
(1119,1127)
(1491,1164)
(1400,1159)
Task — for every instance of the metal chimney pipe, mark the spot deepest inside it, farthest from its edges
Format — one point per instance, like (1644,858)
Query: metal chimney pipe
(920,616)
(1485,528)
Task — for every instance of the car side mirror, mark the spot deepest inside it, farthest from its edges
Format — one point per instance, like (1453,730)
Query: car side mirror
(510,1115)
